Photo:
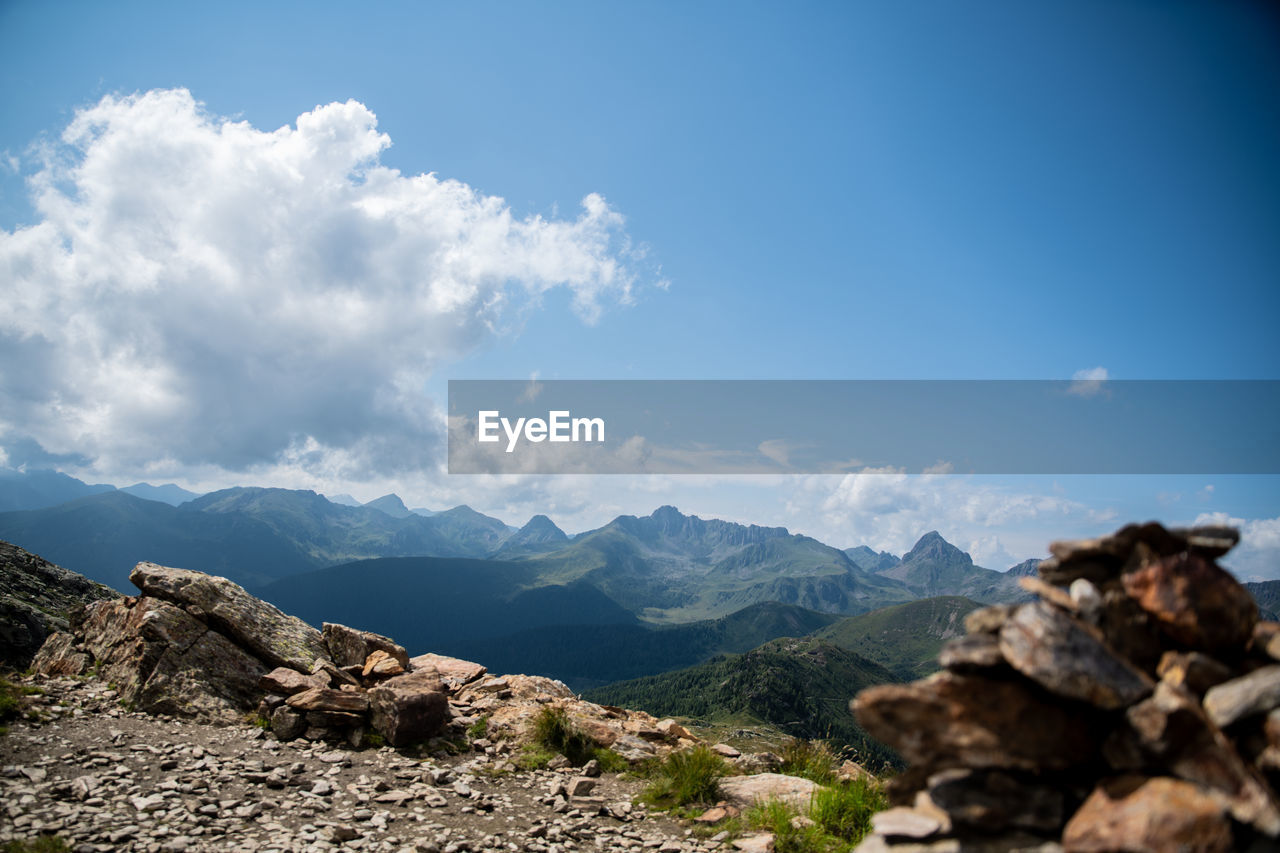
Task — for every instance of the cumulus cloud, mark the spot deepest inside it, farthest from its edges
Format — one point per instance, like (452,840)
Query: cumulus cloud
(1257,557)
(889,509)
(199,292)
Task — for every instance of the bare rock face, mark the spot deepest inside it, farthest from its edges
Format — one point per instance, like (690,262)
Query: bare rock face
(260,628)
(1050,726)
(161,659)
(1137,814)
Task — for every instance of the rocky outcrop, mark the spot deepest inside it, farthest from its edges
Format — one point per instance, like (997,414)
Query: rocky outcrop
(36,600)
(1134,706)
(201,647)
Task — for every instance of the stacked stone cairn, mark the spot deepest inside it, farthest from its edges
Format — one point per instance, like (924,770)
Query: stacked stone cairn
(1134,706)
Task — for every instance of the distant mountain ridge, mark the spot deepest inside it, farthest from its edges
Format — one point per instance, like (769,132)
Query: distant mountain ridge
(673,567)
(935,567)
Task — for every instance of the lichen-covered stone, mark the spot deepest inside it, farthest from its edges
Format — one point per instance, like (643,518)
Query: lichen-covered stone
(262,629)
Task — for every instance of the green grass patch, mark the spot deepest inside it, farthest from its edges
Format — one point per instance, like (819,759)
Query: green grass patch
(810,759)
(838,818)
(845,811)
(373,740)
(533,756)
(480,728)
(553,730)
(610,761)
(686,778)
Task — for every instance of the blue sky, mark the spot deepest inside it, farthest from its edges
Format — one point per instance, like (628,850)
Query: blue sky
(822,190)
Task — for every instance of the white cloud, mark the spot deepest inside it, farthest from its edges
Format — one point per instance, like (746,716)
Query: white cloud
(199,292)
(889,510)
(1257,557)
(1088,382)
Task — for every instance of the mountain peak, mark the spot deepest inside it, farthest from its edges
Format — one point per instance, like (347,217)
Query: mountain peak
(540,529)
(391,505)
(932,546)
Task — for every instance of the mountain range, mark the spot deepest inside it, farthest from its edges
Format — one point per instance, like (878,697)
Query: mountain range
(664,568)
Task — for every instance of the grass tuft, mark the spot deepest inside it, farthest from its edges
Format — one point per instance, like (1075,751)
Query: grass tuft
(480,728)
(810,759)
(553,730)
(845,810)
(685,778)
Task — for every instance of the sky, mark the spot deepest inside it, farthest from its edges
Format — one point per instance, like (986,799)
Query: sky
(251,243)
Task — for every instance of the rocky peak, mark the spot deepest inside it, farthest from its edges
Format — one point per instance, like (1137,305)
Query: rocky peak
(540,529)
(391,505)
(932,547)
(1025,569)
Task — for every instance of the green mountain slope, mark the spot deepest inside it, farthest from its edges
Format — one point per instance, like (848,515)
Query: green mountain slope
(587,656)
(802,687)
(671,567)
(905,638)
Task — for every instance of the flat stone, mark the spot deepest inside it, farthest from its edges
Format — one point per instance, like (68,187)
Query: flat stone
(1194,602)
(971,652)
(286,681)
(379,664)
(1069,658)
(454,672)
(1194,670)
(581,786)
(1255,693)
(326,699)
(724,750)
(761,843)
(352,647)
(905,822)
(950,720)
(994,800)
(987,620)
(1134,813)
(745,791)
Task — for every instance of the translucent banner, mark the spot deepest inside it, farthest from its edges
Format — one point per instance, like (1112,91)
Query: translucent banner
(842,426)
